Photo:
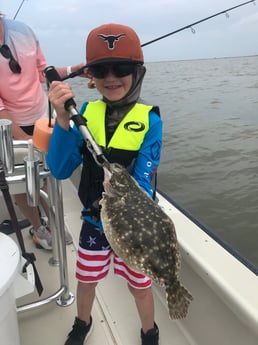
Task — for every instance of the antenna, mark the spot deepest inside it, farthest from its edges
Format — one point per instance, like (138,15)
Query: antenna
(18,9)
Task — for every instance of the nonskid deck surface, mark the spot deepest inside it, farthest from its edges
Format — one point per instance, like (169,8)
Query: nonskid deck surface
(114,314)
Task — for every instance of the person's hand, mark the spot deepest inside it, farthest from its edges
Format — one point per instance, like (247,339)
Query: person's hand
(79,70)
(59,92)
(85,73)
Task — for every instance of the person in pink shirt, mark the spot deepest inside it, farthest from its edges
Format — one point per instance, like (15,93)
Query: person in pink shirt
(23,100)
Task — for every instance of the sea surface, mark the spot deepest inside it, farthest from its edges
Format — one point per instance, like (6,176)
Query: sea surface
(209,161)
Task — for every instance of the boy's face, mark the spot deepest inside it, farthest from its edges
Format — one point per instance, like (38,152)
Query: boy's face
(109,84)
(114,88)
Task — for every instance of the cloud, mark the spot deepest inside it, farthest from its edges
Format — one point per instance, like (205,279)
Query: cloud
(247,24)
(62,26)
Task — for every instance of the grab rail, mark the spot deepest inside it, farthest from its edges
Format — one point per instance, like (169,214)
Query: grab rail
(54,200)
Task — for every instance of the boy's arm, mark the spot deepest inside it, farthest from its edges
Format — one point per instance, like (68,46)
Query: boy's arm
(148,158)
(64,155)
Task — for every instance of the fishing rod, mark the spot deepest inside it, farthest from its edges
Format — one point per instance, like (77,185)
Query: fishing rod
(198,22)
(81,70)
(18,9)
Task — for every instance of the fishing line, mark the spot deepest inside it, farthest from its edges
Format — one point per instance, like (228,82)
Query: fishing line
(190,26)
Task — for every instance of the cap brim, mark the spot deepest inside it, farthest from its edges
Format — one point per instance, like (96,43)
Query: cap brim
(111,60)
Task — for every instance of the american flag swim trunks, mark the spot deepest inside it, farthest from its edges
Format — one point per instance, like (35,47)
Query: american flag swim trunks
(94,259)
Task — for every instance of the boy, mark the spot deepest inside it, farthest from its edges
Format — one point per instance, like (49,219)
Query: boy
(130,133)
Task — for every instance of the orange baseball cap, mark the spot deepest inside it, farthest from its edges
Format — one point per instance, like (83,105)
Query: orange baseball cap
(113,43)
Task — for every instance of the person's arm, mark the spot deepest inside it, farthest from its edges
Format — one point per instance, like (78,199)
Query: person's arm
(62,71)
(148,158)
(41,63)
(66,71)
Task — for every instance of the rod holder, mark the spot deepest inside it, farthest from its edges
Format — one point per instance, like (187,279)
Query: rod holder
(31,163)
(6,145)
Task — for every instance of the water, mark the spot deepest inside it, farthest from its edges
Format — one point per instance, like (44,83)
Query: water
(209,160)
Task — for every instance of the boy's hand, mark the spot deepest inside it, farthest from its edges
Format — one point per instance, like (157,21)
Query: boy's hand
(60,92)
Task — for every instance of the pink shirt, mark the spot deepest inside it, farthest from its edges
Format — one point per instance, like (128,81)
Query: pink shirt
(22,94)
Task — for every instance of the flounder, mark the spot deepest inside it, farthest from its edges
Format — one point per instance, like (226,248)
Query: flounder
(143,235)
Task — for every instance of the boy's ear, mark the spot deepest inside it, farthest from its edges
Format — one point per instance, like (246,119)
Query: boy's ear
(91,84)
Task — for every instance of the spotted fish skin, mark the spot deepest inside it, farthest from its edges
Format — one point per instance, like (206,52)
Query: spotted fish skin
(143,235)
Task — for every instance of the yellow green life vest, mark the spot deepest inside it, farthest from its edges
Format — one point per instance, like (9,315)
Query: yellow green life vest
(130,132)
(122,148)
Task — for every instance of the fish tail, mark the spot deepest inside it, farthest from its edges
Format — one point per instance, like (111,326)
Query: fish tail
(178,300)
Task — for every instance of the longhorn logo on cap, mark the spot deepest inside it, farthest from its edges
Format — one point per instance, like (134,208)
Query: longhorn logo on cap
(111,39)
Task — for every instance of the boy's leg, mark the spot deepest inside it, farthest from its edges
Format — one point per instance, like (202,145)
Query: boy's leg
(145,306)
(82,326)
(140,287)
(85,298)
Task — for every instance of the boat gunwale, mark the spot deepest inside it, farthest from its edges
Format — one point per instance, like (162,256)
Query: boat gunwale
(234,283)
(231,250)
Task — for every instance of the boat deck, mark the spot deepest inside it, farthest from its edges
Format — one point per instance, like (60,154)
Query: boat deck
(224,310)
(114,314)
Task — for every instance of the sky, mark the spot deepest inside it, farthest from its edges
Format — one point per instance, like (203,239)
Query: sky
(63,25)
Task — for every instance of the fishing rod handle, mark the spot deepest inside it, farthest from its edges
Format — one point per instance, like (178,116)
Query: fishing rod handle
(51,75)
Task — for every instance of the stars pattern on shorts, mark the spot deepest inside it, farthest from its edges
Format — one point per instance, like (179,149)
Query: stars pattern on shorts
(91,241)
(99,230)
(92,237)
(105,248)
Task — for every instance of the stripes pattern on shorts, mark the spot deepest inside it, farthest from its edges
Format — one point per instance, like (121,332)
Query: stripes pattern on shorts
(93,266)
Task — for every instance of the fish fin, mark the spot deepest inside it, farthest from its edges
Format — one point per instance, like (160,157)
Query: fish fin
(178,300)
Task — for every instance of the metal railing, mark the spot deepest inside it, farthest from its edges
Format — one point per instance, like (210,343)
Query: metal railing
(31,173)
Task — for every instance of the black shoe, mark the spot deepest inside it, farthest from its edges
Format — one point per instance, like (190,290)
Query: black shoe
(151,337)
(79,333)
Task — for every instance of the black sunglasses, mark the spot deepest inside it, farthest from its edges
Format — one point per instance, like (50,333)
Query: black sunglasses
(13,64)
(119,70)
